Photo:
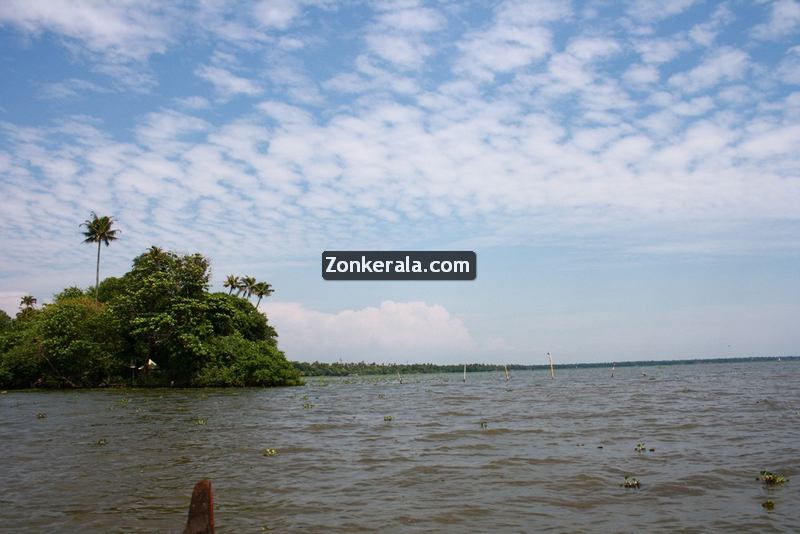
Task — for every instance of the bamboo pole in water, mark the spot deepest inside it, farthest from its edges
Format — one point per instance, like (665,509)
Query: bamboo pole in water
(552,373)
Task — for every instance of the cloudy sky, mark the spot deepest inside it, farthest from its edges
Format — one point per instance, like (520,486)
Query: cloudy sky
(628,173)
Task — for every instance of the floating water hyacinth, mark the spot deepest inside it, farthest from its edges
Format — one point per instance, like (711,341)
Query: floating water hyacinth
(484,425)
(631,482)
(307,406)
(640,447)
(388,418)
(41,415)
(200,421)
(381,396)
(772,479)
(768,504)
(102,441)
(270,452)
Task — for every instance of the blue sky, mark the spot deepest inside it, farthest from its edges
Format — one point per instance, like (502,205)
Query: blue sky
(628,172)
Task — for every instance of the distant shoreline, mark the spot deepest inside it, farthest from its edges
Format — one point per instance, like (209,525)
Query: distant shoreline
(363,368)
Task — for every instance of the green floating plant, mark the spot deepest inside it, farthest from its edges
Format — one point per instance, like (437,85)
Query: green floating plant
(307,406)
(484,425)
(270,452)
(768,504)
(772,479)
(41,415)
(200,421)
(381,396)
(102,441)
(388,418)
(640,447)
(631,482)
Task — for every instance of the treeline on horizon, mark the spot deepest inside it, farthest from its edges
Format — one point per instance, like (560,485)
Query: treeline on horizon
(362,368)
(157,325)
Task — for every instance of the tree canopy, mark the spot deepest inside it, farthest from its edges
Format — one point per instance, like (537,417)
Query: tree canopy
(160,311)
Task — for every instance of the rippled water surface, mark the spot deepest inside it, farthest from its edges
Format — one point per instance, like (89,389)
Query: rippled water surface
(552,456)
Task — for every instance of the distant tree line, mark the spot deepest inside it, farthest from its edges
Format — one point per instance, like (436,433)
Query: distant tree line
(363,368)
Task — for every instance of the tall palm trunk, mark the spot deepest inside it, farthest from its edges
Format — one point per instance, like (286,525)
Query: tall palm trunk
(259,302)
(97,274)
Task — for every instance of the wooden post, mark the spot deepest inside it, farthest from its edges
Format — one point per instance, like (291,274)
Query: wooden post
(201,510)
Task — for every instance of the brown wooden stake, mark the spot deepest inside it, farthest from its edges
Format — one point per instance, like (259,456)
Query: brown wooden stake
(201,510)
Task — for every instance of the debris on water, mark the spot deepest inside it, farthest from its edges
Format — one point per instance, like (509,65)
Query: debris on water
(381,396)
(640,447)
(388,418)
(772,479)
(3,392)
(484,425)
(768,504)
(270,452)
(307,406)
(200,421)
(599,446)
(41,415)
(102,441)
(631,482)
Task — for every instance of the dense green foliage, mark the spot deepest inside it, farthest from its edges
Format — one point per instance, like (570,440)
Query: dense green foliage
(161,311)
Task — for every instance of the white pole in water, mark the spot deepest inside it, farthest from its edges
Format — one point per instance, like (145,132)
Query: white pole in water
(506,368)
(465,373)
(552,373)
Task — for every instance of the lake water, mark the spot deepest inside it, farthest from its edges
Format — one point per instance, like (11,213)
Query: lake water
(552,456)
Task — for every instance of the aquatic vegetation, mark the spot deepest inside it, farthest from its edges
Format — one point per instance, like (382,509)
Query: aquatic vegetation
(388,418)
(200,421)
(307,406)
(41,415)
(772,479)
(381,396)
(270,452)
(102,441)
(484,425)
(631,482)
(640,447)
(769,504)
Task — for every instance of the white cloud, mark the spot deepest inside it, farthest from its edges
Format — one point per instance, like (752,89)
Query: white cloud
(725,64)
(70,88)
(390,332)
(122,29)
(277,14)
(654,10)
(226,83)
(517,38)
(784,20)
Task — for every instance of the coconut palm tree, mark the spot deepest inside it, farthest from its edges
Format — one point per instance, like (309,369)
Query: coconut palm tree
(98,230)
(246,284)
(27,302)
(261,290)
(232,282)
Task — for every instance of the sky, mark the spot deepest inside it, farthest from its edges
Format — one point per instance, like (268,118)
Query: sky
(628,173)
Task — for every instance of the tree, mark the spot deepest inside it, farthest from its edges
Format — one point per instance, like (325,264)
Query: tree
(27,302)
(261,290)
(232,282)
(246,286)
(98,230)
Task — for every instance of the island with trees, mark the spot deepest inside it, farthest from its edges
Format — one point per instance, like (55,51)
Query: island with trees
(157,325)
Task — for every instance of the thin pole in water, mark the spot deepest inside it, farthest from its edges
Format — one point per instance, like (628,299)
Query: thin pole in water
(552,373)
(465,373)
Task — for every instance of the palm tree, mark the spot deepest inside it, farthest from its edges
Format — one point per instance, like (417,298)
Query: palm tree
(261,290)
(27,302)
(98,230)
(246,286)
(232,282)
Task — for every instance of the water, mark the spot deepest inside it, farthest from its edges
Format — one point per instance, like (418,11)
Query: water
(537,466)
